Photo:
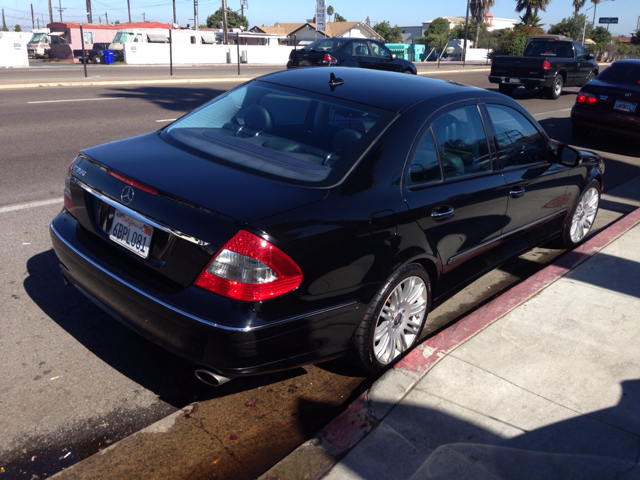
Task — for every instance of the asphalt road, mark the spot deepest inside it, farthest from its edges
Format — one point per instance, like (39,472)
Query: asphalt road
(75,381)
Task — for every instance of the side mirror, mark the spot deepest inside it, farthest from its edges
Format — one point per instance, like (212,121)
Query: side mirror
(591,56)
(568,156)
(393,56)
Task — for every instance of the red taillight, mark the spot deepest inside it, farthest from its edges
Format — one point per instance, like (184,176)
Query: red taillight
(586,99)
(133,183)
(546,65)
(329,59)
(249,268)
(68,202)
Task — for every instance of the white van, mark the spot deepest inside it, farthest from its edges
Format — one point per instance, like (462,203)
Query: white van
(136,35)
(39,43)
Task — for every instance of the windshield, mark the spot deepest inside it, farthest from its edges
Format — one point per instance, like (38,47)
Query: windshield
(549,48)
(37,37)
(123,37)
(627,73)
(289,135)
(325,45)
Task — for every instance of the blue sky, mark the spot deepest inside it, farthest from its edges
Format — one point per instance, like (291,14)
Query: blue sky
(268,12)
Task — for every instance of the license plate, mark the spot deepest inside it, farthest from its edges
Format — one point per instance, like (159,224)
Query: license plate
(131,233)
(514,80)
(625,106)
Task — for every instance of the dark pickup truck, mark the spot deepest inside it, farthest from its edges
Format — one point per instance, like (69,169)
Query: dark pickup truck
(93,54)
(547,64)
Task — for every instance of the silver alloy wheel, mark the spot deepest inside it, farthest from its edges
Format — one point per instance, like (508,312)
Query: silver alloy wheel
(584,215)
(399,321)
(557,88)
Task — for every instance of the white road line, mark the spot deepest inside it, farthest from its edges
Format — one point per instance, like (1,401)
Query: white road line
(166,120)
(552,111)
(79,100)
(23,206)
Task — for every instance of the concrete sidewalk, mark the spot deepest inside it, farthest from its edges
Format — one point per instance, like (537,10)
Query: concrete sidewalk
(543,382)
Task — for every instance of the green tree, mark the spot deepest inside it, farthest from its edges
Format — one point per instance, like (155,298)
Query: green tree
(479,10)
(234,19)
(17,28)
(330,11)
(390,34)
(601,35)
(117,22)
(437,35)
(531,7)
(514,40)
(635,37)
(572,27)
(339,18)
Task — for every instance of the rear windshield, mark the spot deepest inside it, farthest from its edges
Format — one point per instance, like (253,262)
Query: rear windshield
(549,48)
(627,73)
(290,135)
(325,45)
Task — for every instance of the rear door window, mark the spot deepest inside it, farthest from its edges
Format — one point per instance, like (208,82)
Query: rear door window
(518,142)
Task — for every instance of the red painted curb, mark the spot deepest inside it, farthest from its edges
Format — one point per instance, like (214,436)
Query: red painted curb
(353,424)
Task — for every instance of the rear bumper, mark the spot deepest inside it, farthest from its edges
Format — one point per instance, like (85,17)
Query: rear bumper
(595,119)
(244,344)
(526,82)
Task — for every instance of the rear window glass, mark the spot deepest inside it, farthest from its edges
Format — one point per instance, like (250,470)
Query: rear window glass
(621,73)
(287,134)
(549,48)
(325,45)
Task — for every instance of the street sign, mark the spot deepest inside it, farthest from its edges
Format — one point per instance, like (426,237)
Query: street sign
(608,19)
(321,11)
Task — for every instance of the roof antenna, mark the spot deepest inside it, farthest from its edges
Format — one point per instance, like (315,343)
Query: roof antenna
(335,81)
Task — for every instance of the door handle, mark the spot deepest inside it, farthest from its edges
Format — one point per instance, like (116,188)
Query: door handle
(442,213)
(517,192)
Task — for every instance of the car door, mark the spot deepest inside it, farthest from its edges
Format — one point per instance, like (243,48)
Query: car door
(362,54)
(383,57)
(455,195)
(584,66)
(535,185)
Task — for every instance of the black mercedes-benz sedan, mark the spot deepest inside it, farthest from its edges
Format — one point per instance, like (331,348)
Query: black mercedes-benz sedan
(609,103)
(349,52)
(314,213)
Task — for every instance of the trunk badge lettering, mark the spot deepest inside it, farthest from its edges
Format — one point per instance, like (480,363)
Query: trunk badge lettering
(127,195)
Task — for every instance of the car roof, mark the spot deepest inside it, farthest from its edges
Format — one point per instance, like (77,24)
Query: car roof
(387,90)
(628,60)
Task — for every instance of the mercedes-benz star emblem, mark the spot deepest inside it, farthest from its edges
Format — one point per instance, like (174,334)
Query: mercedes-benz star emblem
(127,195)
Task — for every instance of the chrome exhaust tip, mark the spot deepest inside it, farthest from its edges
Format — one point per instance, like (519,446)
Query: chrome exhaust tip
(210,378)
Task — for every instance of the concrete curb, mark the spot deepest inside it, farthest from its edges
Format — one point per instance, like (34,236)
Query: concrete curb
(321,453)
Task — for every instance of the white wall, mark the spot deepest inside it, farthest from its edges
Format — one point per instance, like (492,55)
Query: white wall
(158,53)
(13,49)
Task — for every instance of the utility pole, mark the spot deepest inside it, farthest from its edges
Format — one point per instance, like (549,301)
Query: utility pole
(195,15)
(89,13)
(224,21)
(4,24)
(50,13)
(106,17)
(143,19)
(60,9)
(33,20)
(129,9)
(174,12)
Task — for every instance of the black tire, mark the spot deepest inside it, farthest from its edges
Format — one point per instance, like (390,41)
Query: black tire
(398,332)
(97,59)
(579,132)
(408,70)
(555,90)
(506,89)
(582,216)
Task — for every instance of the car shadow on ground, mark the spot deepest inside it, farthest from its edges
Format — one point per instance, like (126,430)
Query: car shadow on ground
(450,440)
(170,377)
(174,99)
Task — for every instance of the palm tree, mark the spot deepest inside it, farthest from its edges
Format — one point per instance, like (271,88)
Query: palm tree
(479,10)
(577,5)
(330,11)
(531,7)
